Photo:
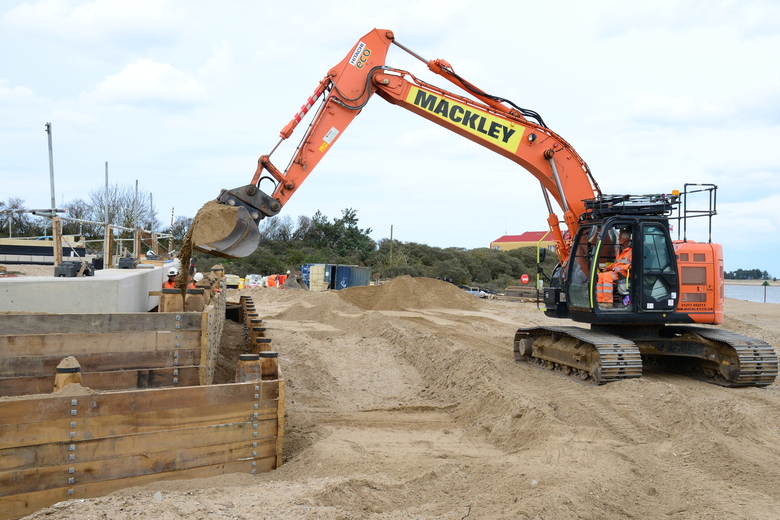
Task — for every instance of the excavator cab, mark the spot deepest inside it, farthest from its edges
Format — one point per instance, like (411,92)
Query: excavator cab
(622,268)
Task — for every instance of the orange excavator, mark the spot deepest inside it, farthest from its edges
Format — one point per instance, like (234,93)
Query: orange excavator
(644,294)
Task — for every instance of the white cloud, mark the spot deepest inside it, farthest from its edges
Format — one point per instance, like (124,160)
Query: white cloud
(73,116)
(683,110)
(91,21)
(14,93)
(147,81)
(219,68)
(746,18)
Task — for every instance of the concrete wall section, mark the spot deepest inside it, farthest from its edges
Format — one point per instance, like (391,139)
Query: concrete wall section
(109,291)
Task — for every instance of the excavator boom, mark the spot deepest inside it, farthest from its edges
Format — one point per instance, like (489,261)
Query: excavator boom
(487,120)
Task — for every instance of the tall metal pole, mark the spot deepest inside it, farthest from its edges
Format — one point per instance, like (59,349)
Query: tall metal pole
(391,245)
(51,168)
(136,249)
(106,244)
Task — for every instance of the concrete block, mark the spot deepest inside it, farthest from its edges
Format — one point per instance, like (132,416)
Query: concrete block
(109,291)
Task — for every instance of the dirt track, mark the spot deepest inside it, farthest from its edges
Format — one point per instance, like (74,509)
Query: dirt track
(404,402)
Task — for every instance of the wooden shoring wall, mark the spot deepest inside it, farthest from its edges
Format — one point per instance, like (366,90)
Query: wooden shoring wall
(87,442)
(55,448)
(115,351)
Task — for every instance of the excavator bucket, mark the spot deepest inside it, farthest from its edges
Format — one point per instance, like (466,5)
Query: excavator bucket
(224,231)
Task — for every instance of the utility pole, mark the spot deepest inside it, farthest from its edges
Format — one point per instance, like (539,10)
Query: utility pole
(391,245)
(107,232)
(51,168)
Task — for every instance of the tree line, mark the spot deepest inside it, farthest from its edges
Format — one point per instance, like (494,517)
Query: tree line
(747,274)
(287,244)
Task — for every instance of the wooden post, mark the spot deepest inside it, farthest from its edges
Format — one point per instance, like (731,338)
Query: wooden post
(270,364)
(194,301)
(68,371)
(280,424)
(56,231)
(171,301)
(107,247)
(249,368)
(137,243)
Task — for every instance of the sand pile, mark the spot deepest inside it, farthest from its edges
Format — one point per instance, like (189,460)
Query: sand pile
(405,292)
(404,401)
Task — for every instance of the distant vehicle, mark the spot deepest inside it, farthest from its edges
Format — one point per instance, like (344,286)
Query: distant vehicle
(253,280)
(476,291)
(232,281)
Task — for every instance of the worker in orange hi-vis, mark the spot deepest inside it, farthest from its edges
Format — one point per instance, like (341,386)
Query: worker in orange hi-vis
(612,273)
(170,283)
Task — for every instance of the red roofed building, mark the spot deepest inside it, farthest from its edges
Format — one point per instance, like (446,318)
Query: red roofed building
(527,239)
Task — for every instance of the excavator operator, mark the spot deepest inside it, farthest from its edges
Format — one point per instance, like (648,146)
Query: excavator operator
(615,271)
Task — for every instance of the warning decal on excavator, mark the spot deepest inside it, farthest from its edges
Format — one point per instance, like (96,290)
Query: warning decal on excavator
(478,122)
(328,138)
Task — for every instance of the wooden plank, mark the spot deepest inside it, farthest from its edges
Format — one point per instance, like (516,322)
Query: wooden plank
(41,408)
(58,453)
(78,428)
(112,380)
(23,366)
(130,379)
(22,323)
(206,375)
(16,506)
(116,425)
(280,425)
(87,343)
(40,479)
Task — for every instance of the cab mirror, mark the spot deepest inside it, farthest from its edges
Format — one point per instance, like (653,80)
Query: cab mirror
(542,254)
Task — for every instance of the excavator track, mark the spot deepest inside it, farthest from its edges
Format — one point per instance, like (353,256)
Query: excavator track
(591,356)
(721,357)
(713,355)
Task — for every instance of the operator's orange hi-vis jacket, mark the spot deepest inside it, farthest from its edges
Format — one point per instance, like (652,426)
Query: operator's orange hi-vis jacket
(613,273)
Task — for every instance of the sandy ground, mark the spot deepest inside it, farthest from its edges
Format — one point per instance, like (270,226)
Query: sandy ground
(404,401)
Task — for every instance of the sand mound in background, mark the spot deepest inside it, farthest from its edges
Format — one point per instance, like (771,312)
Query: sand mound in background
(405,292)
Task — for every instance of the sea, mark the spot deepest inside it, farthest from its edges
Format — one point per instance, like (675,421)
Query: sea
(755,293)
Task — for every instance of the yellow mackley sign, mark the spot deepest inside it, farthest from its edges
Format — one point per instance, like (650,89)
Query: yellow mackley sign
(485,125)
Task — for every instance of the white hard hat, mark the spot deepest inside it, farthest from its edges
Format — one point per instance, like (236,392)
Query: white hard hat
(198,277)
(173,271)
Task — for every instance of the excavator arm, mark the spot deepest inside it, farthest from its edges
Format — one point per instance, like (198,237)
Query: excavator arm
(492,122)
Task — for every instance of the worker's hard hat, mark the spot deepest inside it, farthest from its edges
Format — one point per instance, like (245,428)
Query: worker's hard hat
(173,271)
(198,277)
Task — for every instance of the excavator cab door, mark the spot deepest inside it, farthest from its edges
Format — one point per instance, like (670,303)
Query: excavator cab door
(658,283)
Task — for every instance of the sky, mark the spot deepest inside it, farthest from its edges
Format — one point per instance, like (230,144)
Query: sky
(183,96)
